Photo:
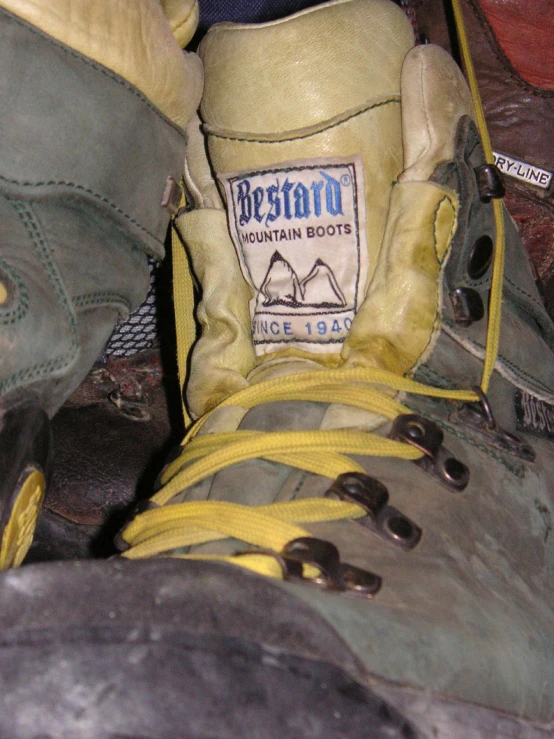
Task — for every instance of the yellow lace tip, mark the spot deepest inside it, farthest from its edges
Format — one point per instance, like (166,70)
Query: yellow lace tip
(18,534)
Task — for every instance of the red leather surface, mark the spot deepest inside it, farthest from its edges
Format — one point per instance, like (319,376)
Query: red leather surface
(525,32)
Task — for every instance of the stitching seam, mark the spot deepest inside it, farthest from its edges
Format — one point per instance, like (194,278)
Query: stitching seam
(9,316)
(503,59)
(82,188)
(95,65)
(524,292)
(507,362)
(65,360)
(95,299)
(324,128)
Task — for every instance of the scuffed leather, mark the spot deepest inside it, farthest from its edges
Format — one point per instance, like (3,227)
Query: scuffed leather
(535,219)
(395,327)
(183,16)
(107,456)
(223,358)
(520,117)
(467,614)
(527,334)
(80,201)
(290,61)
(434,97)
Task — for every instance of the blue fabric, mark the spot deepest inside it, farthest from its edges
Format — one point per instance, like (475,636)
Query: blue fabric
(260,11)
(247,11)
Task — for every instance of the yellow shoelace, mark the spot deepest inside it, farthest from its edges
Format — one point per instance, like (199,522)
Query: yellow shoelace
(168,528)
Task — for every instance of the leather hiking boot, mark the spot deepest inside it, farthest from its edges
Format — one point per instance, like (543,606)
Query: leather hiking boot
(374,378)
(92,148)
(355,538)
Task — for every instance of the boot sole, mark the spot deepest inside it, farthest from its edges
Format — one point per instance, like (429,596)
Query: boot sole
(160,648)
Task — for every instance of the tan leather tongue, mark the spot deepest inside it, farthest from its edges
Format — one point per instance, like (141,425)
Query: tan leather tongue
(323,130)
(304,133)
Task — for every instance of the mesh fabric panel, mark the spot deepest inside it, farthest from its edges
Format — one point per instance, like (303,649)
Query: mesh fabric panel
(139,331)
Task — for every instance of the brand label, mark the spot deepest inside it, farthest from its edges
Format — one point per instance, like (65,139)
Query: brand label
(299,233)
(534,416)
(523,171)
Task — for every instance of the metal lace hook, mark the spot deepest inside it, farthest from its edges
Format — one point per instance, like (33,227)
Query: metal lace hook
(483,401)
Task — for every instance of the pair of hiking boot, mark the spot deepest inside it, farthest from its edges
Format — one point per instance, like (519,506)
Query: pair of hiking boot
(354,538)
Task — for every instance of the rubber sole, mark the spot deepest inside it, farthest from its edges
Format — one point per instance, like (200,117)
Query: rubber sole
(146,683)
(165,648)
(143,649)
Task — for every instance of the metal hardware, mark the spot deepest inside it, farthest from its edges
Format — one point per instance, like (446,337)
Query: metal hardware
(134,407)
(334,575)
(454,471)
(172,194)
(419,432)
(479,417)
(450,471)
(468,306)
(436,460)
(489,182)
(361,489)
(400,528)
(485,409)
(480,257)
(384,520)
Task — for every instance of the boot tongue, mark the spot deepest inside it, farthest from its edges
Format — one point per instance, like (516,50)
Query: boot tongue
(304,133)
(299,232)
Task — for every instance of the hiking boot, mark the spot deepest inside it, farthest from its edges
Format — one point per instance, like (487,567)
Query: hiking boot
(364,293)
(360,519)
(92,149)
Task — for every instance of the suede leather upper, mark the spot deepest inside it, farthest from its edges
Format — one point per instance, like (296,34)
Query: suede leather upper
(130,37)
(84,162)
(467,613)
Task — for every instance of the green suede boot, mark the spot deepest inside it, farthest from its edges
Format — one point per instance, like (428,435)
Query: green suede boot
(92,148)
(374,378)
(355,538)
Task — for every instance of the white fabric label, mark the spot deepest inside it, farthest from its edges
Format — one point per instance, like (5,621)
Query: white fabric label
(523,171)
(299,232)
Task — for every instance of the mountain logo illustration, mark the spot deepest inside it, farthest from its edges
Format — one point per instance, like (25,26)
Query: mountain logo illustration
(281,285)
(319,289)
